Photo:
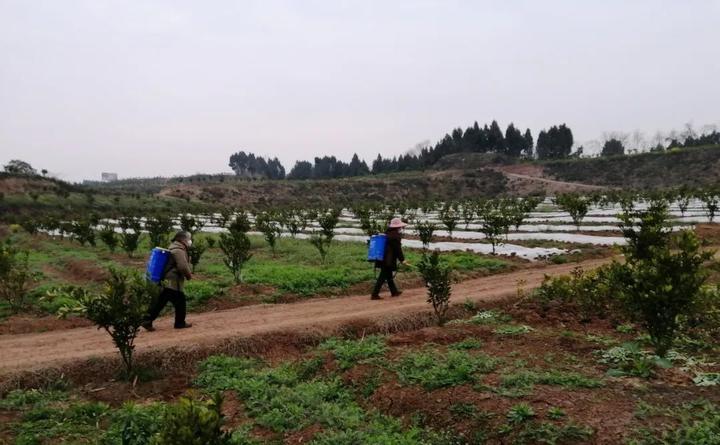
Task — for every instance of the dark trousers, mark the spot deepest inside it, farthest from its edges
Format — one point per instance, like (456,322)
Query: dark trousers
(386,274)
(178,301)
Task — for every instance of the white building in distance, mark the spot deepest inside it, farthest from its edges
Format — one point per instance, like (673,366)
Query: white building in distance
(108,177)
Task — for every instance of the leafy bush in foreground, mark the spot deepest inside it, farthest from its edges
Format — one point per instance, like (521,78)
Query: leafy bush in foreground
(192,422)
(15,276)
(120,310)
(438,281)
(658,290)
(236,248)
(589,291)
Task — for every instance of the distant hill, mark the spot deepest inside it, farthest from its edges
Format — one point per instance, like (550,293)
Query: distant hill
(695,166)
(454,177)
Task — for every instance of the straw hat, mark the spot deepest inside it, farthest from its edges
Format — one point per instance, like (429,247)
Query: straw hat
(396,223)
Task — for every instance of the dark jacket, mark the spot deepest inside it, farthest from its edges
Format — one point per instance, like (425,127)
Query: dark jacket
(178,267)
(393,251)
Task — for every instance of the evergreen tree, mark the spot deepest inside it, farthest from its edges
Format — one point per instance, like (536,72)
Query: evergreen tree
(613,147)
(514,141)
(301,170)
(556,143)
(528,145)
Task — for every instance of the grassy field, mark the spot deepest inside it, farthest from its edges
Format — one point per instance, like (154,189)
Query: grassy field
(294,271)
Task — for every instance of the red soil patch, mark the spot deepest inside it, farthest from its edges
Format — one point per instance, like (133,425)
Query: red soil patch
(24,324)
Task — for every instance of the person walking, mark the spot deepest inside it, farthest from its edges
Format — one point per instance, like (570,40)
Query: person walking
(176,272)
(389,265)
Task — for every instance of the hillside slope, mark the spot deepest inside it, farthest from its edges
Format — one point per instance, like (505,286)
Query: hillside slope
(690,166)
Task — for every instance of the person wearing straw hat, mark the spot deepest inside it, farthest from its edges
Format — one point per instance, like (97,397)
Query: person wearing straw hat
(389,265)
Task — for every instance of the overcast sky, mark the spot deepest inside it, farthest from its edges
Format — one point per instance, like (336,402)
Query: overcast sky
(148,87)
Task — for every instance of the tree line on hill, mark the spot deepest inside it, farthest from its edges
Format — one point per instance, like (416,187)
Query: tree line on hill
(554,143)
(616,147)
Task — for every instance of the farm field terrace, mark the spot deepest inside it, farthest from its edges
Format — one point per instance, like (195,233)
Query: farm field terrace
(294,271)
(501,373)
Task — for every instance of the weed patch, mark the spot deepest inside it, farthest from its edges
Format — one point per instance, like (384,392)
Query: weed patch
(526,379)
(431,369)
(349,352)
(511,330)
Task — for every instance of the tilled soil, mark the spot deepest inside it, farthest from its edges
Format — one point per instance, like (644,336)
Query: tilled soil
(41,350)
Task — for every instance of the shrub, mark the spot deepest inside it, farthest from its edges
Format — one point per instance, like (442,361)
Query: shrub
(496,220)
(57,300)
(711,202)
(133,424)
(438,281)
(350,352)
(15,276)
(321,244)
(236,248)
(107,235)
(270,228)
(190,224)
(158,228)
(659,288)
(425,231)
(192,422)
(130,236)
(120,310)
(195,252)
(322,240)
(83,232)
(241,223)
(449,218)
(590,291)
(575,204)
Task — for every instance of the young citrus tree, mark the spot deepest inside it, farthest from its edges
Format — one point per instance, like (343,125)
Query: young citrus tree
(120,310)
(158,228)
(195,252)
(267,223)
(235,246)
(83,232)
(322,240)
(130,236)
(495,222)
(107,235)
(656,284)
(425,231)
(438,281)
(15,276)
(449,217)
(575,204)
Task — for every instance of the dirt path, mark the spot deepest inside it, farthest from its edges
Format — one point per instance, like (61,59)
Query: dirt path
(560,185)
(41,350)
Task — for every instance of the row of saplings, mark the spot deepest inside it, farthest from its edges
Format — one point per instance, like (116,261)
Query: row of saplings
(496,217)
(660,281)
